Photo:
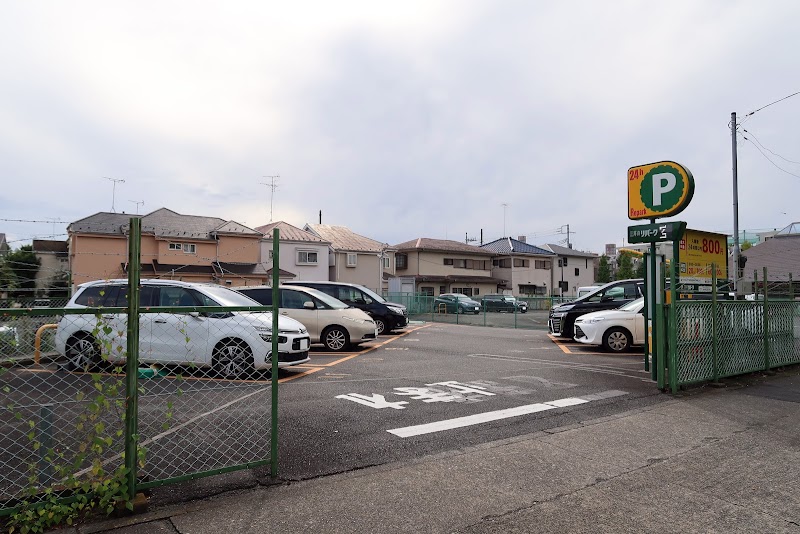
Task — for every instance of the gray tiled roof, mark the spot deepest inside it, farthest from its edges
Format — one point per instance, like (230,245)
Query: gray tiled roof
(342,238)
(509,245)
(780,255)
(565,251)
(50,246)
(290,233)
(441,245)
(161,223)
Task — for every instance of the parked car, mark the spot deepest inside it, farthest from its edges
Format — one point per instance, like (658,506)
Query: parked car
(612,295)
(455,303)
(616,330)
(232,343)
(585,290)
(388,316)
(503,303)
(329,321)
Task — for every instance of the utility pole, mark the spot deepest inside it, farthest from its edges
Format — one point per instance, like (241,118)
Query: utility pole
(273,185)
(114,190)
(736,251)
(561,231)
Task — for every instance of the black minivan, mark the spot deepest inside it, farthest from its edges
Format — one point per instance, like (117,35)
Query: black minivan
(388,316)
(607,297)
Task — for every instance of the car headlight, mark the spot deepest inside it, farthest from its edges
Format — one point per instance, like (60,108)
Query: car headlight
(596,320)
(398,311)
(353,319)
(564,308)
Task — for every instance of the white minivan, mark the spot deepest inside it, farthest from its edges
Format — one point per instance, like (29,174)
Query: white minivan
(233,343)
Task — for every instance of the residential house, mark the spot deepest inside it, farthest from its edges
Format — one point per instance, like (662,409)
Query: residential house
(174,246)
(525,269)
(302,255)
(354,258)
(436,266)
(780,256)
(573,269)
(53,267)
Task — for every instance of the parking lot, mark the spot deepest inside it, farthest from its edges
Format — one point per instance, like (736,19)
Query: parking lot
(429,389)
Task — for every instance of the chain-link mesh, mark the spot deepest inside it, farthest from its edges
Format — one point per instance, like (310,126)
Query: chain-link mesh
(61,427)
(204,394)
(735,341)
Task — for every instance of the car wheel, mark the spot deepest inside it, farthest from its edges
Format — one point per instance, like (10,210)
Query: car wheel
(82,353)
(335,339)
(617,340)
(381,326)
(232,358)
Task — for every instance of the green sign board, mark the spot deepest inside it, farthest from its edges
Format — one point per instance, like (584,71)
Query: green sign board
(655,233)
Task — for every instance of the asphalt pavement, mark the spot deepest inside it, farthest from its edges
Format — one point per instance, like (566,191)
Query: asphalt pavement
(709,459)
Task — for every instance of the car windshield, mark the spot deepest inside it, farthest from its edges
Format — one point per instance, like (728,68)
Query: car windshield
(634,306)
(228,297)
(511,299)
(326,299)
(461,296)
(372,294)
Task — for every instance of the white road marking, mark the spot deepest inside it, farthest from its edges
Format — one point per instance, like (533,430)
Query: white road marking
(470,420)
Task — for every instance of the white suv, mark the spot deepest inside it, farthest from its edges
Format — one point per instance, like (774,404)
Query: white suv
(232,343)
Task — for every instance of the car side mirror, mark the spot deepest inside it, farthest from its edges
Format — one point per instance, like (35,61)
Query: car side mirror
(194,314)
(308,305)
(606,298)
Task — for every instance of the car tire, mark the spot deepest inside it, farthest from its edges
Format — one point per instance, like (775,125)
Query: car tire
(380,326)
(336,339)
(82,352)
(232,358)
(617,340)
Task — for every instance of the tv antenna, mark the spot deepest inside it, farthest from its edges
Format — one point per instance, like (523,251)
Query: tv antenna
(138,203)
(505,205)
(54,221)
(114,189)
(468,239)
(273,185)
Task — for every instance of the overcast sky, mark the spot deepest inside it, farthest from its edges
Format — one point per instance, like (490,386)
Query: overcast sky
(396,119)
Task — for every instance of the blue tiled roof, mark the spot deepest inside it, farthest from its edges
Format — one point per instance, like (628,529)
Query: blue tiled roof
(509,245)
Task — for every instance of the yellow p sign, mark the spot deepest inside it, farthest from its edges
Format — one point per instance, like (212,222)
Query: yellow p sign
(658,189)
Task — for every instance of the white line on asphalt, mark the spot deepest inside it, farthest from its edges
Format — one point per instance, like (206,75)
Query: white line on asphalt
(470,420)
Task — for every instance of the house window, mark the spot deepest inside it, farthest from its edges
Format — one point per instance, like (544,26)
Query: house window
(448,261)
(352,259)
(175,246)
(460,264)
(306,257)
(189,248)
(464,290)
(577,271)
(519,262)
(426,291)
(442,289)
(401,261)
(541,264)
(495,263)
(386,264)
(564,262)
(505,263)
(271,252)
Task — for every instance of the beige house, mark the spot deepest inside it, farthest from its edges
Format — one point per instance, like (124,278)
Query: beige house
(54,264)
(174,246)
(302,255)
(526,269)
(572,269)
(354,258)
(436,266)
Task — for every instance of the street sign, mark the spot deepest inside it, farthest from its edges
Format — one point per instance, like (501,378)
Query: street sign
(655,233)
(697,251)
(659,189)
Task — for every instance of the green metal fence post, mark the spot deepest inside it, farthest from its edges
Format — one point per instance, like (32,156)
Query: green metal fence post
(673,320)
(765,320)
(273,450)
(714,344)
(132,363)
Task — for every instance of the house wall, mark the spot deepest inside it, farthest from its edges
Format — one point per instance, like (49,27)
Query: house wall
(97,257)
(365,272)
(585,277)
(431,263)
(288,259)
(51,264)
(239,249)
(524,276)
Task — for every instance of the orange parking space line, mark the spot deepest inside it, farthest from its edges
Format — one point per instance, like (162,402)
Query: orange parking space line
(298,375)
(564,348)
(374,347)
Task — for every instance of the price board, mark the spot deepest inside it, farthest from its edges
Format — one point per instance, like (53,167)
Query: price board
(697,251)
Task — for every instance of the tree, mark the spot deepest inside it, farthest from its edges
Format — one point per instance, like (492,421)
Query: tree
(603,270)
(24,263)
(640,269)
(8,280)
(624,266)
(58,287)
(746,245)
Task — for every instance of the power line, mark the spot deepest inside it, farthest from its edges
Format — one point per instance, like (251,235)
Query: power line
(768,150)
(773,163)
(768,105)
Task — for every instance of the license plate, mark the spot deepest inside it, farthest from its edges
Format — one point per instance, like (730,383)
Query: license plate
(304,344)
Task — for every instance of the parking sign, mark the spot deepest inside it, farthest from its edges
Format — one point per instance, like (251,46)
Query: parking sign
(658,189)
